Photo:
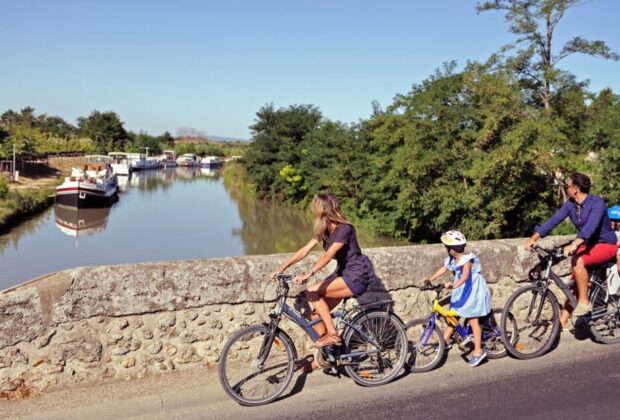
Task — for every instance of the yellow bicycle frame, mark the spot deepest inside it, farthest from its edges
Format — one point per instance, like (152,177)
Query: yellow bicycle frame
(449,315)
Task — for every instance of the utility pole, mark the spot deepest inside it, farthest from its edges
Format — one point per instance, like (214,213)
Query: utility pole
(14,167)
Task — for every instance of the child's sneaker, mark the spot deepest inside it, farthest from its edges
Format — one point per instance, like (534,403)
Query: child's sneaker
(448,345)
(475,360)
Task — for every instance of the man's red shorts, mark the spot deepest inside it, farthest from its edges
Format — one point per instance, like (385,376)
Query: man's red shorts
(596,255)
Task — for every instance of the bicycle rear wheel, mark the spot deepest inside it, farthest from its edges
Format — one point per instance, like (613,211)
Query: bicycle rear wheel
(536,320)
(492,340)
(240,374)
(605,315)
(371,368)
(426,345)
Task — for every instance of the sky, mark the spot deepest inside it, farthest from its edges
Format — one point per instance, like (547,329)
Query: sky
(211,65)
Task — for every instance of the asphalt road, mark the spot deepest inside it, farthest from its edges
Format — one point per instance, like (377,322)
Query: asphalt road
(576,380)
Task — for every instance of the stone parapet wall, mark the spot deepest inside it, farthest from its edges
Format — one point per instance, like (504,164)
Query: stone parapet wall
(92,324)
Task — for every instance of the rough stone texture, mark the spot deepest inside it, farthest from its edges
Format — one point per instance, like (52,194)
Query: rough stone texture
(104,323)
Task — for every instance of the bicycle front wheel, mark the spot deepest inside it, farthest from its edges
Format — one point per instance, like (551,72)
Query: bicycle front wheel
(530,322)
(242,376)
(426,345)
(379,345)
(605,316)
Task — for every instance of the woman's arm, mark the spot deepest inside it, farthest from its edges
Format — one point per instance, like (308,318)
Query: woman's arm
(298,256)
(321,262)
(464,276)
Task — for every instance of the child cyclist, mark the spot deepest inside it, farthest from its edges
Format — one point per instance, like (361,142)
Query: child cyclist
(614,217)
(470,297)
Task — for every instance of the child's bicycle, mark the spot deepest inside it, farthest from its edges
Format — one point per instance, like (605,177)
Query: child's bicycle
(257,363)
(425,337)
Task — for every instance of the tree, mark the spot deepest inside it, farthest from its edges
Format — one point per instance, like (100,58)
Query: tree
(274,155)
(57,127)
(535,23)
(105,129)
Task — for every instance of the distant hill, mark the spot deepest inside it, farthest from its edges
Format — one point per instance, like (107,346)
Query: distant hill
(226,139)
(209,139)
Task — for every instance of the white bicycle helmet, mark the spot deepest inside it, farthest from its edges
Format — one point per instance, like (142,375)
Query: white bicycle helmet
(453,238)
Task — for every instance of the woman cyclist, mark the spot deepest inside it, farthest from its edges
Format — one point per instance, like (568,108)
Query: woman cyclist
(595,243)
(352,275)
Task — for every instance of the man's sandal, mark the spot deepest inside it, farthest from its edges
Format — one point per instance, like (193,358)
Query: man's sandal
(327,340)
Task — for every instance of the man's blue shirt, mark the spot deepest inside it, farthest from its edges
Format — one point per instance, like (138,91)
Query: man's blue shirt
(590,218)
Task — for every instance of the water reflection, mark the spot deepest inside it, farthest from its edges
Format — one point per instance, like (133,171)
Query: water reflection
(75,222)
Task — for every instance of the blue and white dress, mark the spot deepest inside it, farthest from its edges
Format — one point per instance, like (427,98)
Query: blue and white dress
(472,299)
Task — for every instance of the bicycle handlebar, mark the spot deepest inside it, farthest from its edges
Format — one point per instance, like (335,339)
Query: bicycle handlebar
(284,278)
(436,287)
(556,252)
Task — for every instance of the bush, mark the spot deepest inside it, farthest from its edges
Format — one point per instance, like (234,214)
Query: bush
(4,187)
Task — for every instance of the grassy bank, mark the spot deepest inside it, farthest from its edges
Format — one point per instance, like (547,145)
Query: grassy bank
(20,204)
(34,192)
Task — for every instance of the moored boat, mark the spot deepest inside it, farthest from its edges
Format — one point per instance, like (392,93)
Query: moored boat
(211,162)
(120,163)
(167,159)
(188,159)
(93,185)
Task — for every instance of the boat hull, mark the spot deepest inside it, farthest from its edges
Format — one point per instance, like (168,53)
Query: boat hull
(82,197)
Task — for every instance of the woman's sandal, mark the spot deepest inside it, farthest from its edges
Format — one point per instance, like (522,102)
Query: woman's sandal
(327,340)
(310,366)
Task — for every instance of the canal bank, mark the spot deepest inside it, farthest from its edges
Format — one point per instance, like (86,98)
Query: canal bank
(33,193)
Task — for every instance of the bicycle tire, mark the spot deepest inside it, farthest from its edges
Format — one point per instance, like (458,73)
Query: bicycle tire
(494,343)
(242,349)
(605,329)
(378,368)
(528,342)
(433,351)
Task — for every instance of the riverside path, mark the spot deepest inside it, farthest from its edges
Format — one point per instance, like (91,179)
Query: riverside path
(577,380)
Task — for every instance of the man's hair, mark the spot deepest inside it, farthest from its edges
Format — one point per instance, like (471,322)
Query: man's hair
(581,181)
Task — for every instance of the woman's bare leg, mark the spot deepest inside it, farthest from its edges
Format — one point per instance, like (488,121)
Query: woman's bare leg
(319,327)
(336,289)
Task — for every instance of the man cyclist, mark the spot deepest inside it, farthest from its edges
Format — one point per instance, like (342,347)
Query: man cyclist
(595,243)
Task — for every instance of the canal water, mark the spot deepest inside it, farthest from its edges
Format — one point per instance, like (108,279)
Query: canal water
(168,214)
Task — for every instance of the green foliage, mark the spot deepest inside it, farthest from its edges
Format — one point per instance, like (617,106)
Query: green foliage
(105,129)
(464,150)
(34,135)
(278,138)
(4,187)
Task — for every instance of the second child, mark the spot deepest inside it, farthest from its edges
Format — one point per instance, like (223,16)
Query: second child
(470,297)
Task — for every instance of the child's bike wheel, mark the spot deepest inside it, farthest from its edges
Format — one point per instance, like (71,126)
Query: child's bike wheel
(426,346)
(240,375)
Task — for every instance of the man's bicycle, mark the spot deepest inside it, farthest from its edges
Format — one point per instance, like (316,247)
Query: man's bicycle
(426,343)
(257,363)
(536,311)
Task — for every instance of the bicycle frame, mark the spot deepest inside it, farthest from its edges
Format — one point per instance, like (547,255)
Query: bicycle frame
(549,275)
(450,316)
(341,316)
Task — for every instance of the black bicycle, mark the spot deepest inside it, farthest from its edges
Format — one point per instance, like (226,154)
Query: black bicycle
(535,310)
(257,363)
